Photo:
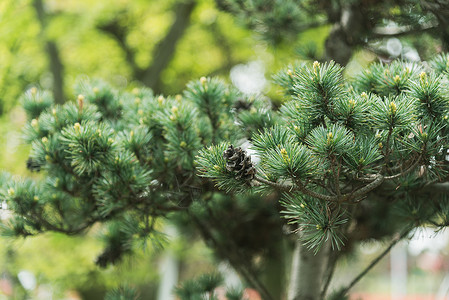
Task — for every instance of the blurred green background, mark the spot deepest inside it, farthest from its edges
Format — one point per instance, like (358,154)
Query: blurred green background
(161,44)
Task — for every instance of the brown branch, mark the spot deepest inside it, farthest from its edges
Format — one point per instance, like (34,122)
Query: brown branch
(55,64)
(164,50)
(387,32)
(395,240)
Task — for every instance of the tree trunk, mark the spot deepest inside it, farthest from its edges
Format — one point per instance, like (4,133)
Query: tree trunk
(306,275)
(165,50)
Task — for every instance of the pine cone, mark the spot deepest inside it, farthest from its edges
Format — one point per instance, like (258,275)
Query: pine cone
(241,105)
(238,162)
(33,165)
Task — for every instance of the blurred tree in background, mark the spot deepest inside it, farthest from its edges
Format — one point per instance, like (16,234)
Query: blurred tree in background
(162,45)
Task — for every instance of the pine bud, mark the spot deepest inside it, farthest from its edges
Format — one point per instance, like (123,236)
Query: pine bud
(11,192)
(34,123)
(174,110)
(289,73)
(33,90)
(203,81)
(80,102)
(140,112)
(330,138)
(351,103)
(393,107)
(160,100)
(183,144)
(77,127)
(44,140)
(178,98)
(396,79)
(284,154)
(135,91)
(36,198)
(137,100)
(96,90)
(316,67)
(364,95)
(423,77)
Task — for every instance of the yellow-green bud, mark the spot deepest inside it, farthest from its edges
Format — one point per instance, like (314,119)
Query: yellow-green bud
(131,133)
(53,111)
(330,137)
(178,98)
(34,123)
(33,90)
(203,80)
(135,91)
(316,66)
(351,102)
(217,167)
(95,90)
(363,95)
(174,110)
(11,192)
(396,78)
(284,154)
(318,227)
(393,107)
(98,132)
(47,157)
(289,73)
(160,100)
(44,140)
(381,146)
(77,126)
(137,100)
(36,198)
(140,112)
(110,140)
(423,76)
(183,144)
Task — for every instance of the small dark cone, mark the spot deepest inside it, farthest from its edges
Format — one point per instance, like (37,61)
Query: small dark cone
(241,104)
(33,165)
(238,162)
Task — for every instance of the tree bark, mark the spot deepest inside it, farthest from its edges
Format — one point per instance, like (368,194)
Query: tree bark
(306,273)
(165,50)
(55,64)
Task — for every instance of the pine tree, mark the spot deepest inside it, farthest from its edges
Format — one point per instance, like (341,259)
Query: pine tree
(334,156)
(353,24)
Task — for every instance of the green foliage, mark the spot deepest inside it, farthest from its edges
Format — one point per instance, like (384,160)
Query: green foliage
(332,147)
(316,221)
(199,288)
(122,293)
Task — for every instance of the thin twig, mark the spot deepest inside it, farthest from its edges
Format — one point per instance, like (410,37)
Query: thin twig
(395,240)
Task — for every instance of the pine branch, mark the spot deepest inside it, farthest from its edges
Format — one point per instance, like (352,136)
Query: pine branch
(395,240)
(164,50)
(249,276)
(388,32)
